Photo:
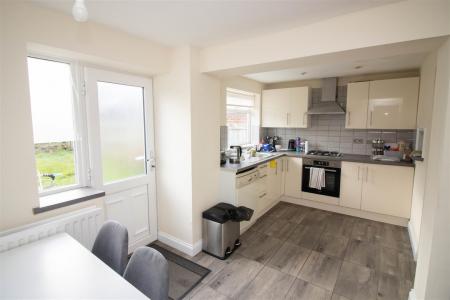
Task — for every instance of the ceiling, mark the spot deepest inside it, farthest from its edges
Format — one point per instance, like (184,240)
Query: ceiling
(339,69)
(204,23)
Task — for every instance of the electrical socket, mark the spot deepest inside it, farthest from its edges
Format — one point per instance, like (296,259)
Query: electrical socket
(358,141)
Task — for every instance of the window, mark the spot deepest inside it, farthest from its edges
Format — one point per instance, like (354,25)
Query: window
(53,109)
(242,118)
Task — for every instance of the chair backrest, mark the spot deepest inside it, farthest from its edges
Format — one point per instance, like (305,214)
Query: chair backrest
(148,271)
(111,245)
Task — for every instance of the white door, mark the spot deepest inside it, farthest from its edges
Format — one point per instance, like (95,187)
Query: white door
(121,139)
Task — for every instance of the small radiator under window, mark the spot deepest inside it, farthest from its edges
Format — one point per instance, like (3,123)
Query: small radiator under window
(82,225)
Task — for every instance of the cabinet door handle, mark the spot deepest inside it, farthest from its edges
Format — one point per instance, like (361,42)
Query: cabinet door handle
(262,195)
(348,118)
(367,174)
(265,175)
(287,165)
(304,118)
(359,167)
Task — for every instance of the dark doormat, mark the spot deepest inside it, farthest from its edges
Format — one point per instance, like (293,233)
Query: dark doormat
(184,275)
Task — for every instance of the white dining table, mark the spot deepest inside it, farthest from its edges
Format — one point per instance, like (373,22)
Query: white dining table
(59,267)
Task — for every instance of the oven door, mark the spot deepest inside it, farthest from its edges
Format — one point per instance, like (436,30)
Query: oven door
(332,182)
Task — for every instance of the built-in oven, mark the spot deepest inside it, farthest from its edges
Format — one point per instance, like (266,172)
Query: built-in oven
(332,169)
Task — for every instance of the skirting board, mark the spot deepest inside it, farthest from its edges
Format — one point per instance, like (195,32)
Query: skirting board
(348,211)
(412,238)
(180,245)
(412,295)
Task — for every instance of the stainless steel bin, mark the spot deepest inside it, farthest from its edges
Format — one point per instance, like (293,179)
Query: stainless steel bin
(221,229)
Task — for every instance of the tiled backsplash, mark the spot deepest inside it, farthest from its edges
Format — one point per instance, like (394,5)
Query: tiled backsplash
(327,132)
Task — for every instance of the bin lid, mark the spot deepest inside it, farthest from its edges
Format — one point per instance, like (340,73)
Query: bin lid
(216,214)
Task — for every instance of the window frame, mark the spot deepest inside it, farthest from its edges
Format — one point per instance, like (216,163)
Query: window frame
(255,115)
(81,151)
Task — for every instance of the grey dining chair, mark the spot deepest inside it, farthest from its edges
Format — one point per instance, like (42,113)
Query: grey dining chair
(148,271)
(111,245)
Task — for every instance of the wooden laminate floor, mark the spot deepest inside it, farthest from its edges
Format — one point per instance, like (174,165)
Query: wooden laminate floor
(297,252)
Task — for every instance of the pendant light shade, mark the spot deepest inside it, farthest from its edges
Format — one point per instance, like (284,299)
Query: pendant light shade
(79,11)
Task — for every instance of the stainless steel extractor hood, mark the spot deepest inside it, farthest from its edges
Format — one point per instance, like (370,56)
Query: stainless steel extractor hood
(328,104)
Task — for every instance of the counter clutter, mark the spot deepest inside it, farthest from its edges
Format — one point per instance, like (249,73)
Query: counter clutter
(248,164)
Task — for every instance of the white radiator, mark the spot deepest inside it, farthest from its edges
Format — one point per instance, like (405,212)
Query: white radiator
(82,225)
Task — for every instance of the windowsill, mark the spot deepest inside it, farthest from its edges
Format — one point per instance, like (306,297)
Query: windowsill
(67,198)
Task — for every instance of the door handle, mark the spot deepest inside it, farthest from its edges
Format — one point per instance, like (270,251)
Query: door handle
(304,118)
(262,195)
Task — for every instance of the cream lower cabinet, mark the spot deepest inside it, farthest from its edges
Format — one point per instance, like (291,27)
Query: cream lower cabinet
(351,185)
(388,190)
(376,188)
(293,177)
(274,179)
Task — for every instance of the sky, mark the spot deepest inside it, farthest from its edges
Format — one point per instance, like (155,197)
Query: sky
(51,96)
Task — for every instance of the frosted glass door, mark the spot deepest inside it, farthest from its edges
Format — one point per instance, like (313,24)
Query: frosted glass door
(122,131)
(121,144)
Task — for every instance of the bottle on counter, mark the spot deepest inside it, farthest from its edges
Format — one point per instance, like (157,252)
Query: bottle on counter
(298,144)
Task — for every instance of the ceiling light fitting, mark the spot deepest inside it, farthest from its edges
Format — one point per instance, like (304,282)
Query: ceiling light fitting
(79,11)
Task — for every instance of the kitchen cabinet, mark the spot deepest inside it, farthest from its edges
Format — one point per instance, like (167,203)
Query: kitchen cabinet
(351,185)
(286,108)
(357,103)
(274,180)
(382,104)
(293,177)
(393,103)
(387,190)
(376,188)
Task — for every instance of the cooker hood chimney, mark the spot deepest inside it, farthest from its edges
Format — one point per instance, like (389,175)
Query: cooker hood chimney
(328,104)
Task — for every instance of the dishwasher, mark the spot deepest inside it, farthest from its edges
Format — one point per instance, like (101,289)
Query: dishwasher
(251,191)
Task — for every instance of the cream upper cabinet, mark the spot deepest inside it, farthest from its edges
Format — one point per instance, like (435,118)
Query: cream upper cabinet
(298,107)
(351,185)
(387,189)
(357,103)
(286,107)
(393,103)
(275,105)
(383,104)
(293,177)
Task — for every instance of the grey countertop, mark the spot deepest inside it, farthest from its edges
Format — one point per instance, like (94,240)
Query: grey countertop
(249,164)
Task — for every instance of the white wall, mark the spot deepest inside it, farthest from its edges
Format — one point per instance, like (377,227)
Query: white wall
(424,120)
(433,264)
(172,96)
(205,124)
(25,27)
(394,23)
(187,111)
